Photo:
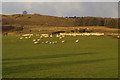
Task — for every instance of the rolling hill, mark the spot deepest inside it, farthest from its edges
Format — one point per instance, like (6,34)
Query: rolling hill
(34,19)
(35,23)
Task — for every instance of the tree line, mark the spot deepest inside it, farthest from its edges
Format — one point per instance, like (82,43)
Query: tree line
(97,21)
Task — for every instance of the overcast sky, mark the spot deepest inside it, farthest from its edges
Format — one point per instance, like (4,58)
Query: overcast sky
(99,9)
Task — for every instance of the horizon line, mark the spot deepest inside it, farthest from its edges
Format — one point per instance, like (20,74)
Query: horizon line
(57,16)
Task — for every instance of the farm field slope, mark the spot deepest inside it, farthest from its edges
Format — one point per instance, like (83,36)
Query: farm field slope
(92,57)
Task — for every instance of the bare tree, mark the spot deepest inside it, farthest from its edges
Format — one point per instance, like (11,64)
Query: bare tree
(24,12)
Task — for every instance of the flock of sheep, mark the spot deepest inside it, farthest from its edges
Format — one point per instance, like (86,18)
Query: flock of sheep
(60,36)
(42,36)
(83,34)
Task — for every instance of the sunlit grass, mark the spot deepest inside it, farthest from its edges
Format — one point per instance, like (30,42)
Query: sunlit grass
(92,57)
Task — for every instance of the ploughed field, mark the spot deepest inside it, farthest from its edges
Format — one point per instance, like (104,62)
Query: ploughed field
(91,57)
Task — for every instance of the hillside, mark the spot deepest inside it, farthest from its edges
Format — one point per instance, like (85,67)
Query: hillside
(34,23)
(41,20)
(45,20)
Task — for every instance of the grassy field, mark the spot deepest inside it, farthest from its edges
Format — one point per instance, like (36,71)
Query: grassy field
(92,57)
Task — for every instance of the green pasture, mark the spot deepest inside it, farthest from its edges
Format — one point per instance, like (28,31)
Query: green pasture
(91,57)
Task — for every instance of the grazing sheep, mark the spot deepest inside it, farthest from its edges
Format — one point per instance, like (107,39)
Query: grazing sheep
(26,37)
(51,35)
(63,35)
(38,39)
(41,37)
(36,42)
(53,42)
(45,35)
(82,34)
(21,37)
(57,35)
(50,42)
(118,37)
(29,37)
(60,37)
(77,41)
(63,41)
(46,41)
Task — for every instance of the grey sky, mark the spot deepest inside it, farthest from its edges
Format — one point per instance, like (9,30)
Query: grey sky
(99,9)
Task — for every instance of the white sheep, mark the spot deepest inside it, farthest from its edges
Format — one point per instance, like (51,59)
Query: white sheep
(63,35)
(60,37)
(36,42)
(41,37)
(46,41)
(53,42)
(57,35)
(26,37)
(51,35)
(118,36)
(77,41)
(50,42)
(38,39)
(63,41)
(29,37)
(21,37)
